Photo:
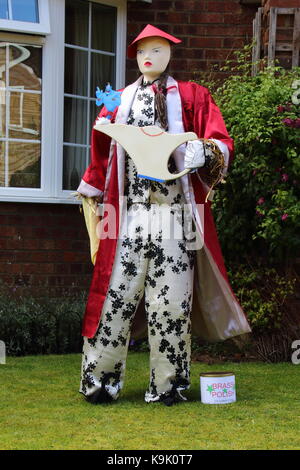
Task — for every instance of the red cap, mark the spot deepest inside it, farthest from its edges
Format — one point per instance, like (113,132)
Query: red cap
(149,31)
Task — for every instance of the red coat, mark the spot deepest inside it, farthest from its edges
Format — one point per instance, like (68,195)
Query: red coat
(217,314)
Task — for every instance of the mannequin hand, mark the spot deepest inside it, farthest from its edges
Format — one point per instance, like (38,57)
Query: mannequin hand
(77,195)
(95,199)
(98,199)
(194,154)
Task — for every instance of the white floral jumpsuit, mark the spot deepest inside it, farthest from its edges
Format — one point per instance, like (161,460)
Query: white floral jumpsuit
(152,263)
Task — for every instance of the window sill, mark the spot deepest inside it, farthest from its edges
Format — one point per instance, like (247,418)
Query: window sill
(45,200)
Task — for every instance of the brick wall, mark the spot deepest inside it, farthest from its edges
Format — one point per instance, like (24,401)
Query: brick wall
(44,247)
(210,31)
(267,4)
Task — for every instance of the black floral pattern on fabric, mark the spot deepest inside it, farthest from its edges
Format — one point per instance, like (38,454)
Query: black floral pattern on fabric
(92,341)
(169,323)
(87,380)
(148,113)
(139,189)
(130,119)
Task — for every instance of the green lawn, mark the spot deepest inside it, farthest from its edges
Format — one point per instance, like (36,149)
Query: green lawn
(40,408)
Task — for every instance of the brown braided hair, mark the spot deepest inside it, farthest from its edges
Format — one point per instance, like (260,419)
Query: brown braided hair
(160,102)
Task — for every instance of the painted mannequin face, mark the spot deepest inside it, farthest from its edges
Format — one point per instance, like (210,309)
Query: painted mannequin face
(153,55)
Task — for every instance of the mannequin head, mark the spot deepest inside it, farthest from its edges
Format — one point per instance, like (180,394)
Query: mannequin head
(153,56)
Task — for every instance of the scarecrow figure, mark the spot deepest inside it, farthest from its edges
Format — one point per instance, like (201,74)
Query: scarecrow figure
(146,282)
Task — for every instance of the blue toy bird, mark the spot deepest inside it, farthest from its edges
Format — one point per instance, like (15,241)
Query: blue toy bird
(110,98)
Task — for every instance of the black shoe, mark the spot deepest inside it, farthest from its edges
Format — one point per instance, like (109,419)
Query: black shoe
(168,401)
(101,395)
(169,398)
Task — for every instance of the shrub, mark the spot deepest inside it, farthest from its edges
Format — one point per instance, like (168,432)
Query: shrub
(41,326)
(263,293)
(257,211)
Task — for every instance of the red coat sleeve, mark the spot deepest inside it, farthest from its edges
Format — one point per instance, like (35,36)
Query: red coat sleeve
(215,127)
(95,174)
(202,115)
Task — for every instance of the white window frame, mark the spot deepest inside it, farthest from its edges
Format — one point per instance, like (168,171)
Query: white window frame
(42,27)
(53,106)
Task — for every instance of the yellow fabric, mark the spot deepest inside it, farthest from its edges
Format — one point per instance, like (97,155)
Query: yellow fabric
(91,220)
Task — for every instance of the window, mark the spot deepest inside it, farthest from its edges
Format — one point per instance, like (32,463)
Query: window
(20,114)
(28,16)
(47,94)
(90,61)
(19,10)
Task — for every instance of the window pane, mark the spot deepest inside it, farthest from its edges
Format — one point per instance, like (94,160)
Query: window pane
(75,124)
(104,29)
(4,9)
(2,64)
(25,10)
(94,111)
(2,112)
(92,26)
(102,72)
(2,163)
(25,66)
(74,166)
(24,164)
(77,23)
(20,107)
(25,116)
(76,72)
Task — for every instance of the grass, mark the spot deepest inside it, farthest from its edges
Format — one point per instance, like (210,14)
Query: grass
(40,408)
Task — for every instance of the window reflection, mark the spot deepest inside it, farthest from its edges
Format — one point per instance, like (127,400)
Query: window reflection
(4,9)
(25,12)
(25,116)
(24,164)
(20,10)
(25,66)
(2,108)
(20,115)
(2,160)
